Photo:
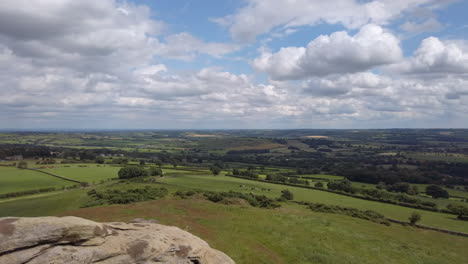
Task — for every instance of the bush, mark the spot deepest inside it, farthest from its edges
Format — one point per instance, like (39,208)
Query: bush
(414,218)
(132,172)
(286,194)
(319,185)
(353,212)
(254,200)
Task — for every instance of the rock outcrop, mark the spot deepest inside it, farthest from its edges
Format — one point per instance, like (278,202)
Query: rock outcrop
(74,240)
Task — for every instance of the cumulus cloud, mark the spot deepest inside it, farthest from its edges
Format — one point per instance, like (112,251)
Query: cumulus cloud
(436,57)
(337,53)
(339,85)
(260,16)
(96,64)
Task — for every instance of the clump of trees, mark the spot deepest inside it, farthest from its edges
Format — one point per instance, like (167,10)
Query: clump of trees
(436,191)
(132,172)
(249,173)
(460,210)
(341,185)
(135,172)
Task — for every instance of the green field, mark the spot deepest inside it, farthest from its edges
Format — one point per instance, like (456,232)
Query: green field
(43,204)
(17,180)
(225,183)
(291,234)
(92,173)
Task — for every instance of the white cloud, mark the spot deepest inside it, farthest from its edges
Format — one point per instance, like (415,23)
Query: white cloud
(186,47)
(337,53)
(429,25)
(260,16)
(436,57)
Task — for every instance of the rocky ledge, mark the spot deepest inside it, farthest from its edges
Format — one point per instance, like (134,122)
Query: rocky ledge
(74,240)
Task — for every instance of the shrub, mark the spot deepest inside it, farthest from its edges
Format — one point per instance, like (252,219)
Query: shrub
(319,185)
(286,194)
(126,196)
(353,212)
(414,218)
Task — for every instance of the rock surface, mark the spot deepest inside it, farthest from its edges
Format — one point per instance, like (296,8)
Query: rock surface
(74,240)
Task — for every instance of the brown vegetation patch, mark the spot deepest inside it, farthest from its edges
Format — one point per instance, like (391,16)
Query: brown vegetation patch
(184,214)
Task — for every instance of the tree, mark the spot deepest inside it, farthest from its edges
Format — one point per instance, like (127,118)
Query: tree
(153,171)
(235,171)
(414,218)
(341,185)
(22,165)
(99,160)
(402,187)
(158,163)
(436,191)
(460,210)
(319,185)
(215,170)
(142,163)
(286,194)
(132,172)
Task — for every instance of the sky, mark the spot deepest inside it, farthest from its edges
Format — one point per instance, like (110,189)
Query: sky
(233,64)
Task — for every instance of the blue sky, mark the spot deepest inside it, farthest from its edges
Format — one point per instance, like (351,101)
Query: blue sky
(146,64)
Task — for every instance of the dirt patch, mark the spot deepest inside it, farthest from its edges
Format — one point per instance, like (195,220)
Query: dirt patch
(7,227)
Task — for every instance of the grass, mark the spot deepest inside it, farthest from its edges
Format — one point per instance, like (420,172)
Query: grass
(91,173)
(43,204)
(17,180)
(224,183)
(291,234)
